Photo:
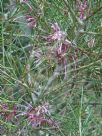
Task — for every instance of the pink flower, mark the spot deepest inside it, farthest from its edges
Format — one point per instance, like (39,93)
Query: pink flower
(60,51)
(6,113)
(62,48)
(82,7)
(37,116)
(61,54)
(56,34)
(31,22)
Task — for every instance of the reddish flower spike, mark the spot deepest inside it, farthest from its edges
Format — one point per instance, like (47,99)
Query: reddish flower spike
(30,21)
(56,34)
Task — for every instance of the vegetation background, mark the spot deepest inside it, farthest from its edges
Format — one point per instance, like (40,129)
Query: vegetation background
(40,94)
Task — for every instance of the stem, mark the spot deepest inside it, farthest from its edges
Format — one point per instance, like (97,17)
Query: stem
(2,26)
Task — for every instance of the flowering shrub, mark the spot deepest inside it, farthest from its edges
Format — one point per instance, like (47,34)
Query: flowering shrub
(50,67)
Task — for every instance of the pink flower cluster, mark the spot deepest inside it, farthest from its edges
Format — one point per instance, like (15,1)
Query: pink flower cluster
(39,115)
(31,22)
(82,7)
(61,49)
(56,33)
(36,116)
(6,112)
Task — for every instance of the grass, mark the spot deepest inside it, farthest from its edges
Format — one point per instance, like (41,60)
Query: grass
(31,75)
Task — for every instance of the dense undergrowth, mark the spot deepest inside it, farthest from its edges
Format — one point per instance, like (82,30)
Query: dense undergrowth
(50,68)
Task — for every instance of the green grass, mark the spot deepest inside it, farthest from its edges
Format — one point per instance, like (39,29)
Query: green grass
(75,103)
